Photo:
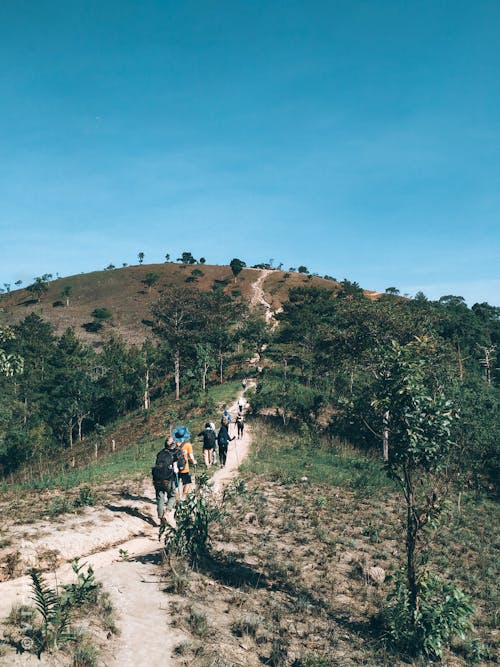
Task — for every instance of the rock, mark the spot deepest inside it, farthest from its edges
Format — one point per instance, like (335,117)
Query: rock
(251,517)
(304,479)
(377,574)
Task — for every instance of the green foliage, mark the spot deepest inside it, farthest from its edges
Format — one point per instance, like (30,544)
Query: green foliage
(191,539)
(442,613)
(84,590)
(55,613)
(237,266)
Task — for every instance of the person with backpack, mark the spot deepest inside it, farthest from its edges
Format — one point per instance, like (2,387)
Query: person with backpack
(209,440)
(223,440)
(241,405)
(182,438)
(240,425)
(165,474)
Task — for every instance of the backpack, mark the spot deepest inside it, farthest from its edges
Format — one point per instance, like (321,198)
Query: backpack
(163,471)
(208,438)
(223,437)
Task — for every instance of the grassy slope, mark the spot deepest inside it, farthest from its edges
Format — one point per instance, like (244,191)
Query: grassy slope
(125,295)
(290,580)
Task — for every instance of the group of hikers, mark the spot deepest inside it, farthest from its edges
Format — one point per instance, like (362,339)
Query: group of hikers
(171,472)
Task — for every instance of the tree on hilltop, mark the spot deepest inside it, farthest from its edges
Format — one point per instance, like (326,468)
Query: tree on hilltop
(38,287)
(140,257)
(237,266)
(186,258)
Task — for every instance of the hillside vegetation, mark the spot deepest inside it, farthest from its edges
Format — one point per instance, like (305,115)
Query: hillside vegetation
(388,404)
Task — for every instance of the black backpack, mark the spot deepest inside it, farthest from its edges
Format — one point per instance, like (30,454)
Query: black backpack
(163,471)
(209,438)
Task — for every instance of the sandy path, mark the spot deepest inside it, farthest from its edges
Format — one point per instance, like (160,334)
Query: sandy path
(135,585)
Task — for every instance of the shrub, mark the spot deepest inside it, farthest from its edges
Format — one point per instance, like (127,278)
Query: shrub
(442,613)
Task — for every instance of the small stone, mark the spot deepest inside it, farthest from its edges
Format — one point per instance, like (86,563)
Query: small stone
(377,574)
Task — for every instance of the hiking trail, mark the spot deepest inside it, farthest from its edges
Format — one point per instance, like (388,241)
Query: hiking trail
(120,541)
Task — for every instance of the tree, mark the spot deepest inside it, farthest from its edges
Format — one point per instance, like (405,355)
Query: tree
(202,260)
(167,257)
(101,316)
(392,290)
(303,269)
(151,279)
(140,257)
(237,266)
(38,287)
(179,317)
(66,292)
(186,258)
(18,283)
(10,363)
(418,416)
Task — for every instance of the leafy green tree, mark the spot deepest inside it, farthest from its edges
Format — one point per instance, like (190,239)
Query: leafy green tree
(186,258)
(419,419)
(167,257)
(179,316)
(237,266)
(140,257)
(151,279)
(303,269)
(202,260)
(10,363)
(101,315)
(66,293)
(73,389)
(38,287)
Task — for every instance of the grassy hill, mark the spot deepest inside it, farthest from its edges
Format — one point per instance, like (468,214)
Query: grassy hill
(124,293)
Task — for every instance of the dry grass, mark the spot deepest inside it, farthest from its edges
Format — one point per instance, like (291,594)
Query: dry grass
(290,582)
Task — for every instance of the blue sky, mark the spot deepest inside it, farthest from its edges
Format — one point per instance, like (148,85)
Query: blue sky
(360,138)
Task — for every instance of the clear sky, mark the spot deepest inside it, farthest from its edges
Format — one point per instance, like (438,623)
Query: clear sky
(357,137)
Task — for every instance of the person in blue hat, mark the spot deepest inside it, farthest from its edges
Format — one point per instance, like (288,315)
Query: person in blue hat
(182,438)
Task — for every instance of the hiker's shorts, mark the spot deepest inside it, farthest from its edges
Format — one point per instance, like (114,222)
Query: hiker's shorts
(185,477)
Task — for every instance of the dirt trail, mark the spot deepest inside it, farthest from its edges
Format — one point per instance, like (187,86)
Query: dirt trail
(135,583)
(259,296)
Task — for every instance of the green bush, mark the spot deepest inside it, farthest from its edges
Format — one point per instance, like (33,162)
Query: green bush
(191,539)
(442,613)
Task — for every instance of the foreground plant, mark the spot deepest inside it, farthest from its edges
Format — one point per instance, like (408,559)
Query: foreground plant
(191,538)
(417,420)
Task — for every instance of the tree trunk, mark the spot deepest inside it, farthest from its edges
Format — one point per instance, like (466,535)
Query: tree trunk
(385,435)
(460,363)
(80,419)
(70,434)
(221,359)
(411,540)
(177,373)
(204,376)
(146,390)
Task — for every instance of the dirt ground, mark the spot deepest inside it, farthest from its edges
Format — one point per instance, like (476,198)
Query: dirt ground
(120,541)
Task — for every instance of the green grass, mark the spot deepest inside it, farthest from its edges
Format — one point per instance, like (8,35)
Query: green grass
(284,457)
(131,462)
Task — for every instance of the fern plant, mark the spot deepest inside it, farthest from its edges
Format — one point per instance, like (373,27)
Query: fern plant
(55,614)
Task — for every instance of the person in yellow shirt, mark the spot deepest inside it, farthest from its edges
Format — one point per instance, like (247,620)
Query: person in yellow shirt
(181,437)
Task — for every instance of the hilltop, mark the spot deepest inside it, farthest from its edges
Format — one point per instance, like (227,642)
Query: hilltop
(124,292)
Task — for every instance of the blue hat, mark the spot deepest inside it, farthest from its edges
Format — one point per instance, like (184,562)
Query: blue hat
(181,434)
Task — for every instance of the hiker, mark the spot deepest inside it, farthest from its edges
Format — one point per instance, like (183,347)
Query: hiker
(240,425)
(244,383)
(182,438)
(209,441)
(223,440)
(241,405)
(166,477)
